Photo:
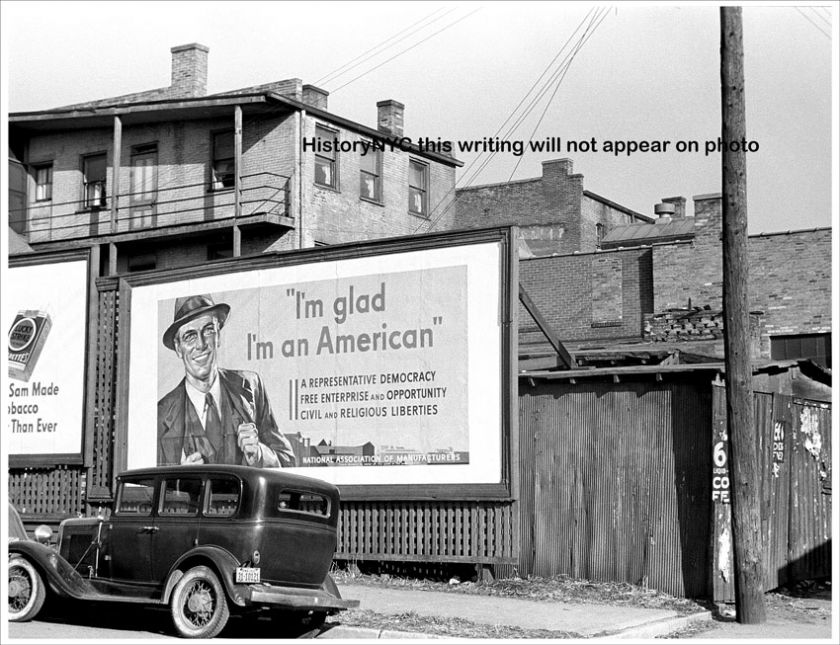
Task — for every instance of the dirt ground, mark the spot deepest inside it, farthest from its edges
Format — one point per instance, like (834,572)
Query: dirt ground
(807,617)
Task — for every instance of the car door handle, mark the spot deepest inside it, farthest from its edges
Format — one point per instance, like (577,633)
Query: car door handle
(149,529)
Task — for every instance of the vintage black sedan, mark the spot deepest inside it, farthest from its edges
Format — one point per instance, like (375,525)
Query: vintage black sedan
(205,540)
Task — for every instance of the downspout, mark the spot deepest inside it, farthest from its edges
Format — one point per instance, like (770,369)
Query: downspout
(301,123)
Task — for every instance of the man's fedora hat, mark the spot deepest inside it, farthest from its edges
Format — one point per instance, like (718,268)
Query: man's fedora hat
(186,309)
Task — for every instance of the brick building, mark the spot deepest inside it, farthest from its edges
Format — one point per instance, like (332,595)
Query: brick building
(173,176)
(655,288)
(554,212)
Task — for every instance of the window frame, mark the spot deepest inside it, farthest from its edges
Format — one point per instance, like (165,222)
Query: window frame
(332,161)
(137,152)
(215,160)
(424,190)
(36,169)
(376,174)
(88,203)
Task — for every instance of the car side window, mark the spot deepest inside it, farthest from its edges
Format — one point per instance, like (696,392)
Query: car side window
(135,497)
(180,496)
(283,500)
(222,498)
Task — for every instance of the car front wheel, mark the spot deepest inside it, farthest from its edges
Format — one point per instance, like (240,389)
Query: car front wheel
(199,604)
(26,590)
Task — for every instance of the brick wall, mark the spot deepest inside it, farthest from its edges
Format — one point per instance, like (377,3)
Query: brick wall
(341,215)
(790,280)
(692,271)
(789,273)
(556,215)
(570,292)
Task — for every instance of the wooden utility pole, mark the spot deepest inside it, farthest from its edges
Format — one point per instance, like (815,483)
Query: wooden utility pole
(746,518)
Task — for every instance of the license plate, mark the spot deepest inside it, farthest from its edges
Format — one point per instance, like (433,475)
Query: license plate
(247,574)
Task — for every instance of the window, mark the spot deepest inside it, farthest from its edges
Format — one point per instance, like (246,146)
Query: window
(219,251)
(43,182)
(600,231)
(135,497)
(370,186)
(326,158)
(418,192)
(222,497)
(144,173)
(224,166)
(180,496)
(282,501)
(817,347)
(93,175)
(144,262)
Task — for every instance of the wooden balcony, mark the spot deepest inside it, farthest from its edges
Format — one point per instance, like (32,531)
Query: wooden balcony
(162,212)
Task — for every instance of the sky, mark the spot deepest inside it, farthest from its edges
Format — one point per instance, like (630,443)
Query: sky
(646,72)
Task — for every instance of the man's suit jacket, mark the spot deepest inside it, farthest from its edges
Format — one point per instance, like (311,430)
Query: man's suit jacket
(243,400)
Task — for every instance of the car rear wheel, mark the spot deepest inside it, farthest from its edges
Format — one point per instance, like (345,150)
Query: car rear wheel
(199,604)
(26,590)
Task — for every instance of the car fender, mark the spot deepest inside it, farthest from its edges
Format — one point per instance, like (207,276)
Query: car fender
(59,575)
(222,560)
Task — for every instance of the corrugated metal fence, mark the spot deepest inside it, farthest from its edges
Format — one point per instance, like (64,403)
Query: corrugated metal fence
(794,455)
(618,491)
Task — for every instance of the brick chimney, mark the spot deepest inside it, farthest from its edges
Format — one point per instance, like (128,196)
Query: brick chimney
(679,206)
(390,117)
(189,71)
(315,97)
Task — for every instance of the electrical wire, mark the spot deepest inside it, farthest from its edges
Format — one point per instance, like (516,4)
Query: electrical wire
(336,73)
(816,26)
(546,86)
(353,80)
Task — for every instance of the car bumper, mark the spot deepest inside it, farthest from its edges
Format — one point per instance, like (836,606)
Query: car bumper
(302,599)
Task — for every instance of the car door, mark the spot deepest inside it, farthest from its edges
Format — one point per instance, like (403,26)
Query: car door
(177,522)
(132,532)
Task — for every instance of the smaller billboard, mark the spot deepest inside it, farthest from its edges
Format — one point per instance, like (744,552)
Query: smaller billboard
(45,315)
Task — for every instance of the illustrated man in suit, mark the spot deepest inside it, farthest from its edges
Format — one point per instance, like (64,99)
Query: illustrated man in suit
(214,415)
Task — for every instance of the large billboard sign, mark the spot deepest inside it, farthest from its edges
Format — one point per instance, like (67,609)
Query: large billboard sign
(45,316)
(382,368)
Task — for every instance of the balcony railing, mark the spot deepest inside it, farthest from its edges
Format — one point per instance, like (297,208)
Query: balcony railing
(260,194)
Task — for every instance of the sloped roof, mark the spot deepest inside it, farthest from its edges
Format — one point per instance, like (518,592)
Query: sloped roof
(638,234)
(17,244)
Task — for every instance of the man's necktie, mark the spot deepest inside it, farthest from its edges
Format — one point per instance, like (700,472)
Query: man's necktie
(213,424)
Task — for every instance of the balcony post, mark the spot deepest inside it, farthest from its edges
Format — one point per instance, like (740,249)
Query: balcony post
(237,179)
(115,193)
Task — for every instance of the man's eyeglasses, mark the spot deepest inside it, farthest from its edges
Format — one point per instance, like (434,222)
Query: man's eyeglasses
(208,333)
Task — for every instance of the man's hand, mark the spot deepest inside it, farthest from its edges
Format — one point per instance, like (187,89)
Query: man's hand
(194,458)
(249,442)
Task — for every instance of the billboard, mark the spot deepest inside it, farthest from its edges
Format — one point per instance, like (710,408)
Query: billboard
(45,315)
(380,369)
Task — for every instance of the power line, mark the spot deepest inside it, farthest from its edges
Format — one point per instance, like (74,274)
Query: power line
(816,26)
(821,16)
(530,105)
(564,65)
(557,86)
(350,64)
(405,50)
(513,127)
